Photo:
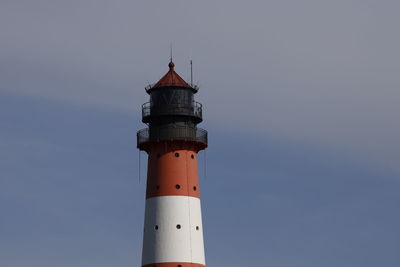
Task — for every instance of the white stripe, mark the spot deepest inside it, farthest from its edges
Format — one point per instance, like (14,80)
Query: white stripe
(169,244)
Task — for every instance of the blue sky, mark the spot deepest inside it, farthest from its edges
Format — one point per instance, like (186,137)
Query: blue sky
(301,103)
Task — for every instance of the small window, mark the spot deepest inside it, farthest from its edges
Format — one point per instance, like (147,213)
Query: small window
(197,228)
(194,188)
(192,156)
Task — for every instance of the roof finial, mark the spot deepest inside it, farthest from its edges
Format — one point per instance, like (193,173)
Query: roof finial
(171,64)
(170,58)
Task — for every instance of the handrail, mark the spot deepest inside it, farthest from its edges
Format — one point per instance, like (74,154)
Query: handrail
(192,86)
(143,136)
(194,109)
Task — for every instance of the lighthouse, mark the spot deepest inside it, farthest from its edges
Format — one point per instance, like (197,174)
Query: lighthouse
(173,231)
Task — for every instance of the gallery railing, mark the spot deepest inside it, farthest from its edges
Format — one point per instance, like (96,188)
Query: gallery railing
(151,110)
(186,134)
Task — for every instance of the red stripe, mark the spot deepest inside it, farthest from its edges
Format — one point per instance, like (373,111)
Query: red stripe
(175,264)
(172,173)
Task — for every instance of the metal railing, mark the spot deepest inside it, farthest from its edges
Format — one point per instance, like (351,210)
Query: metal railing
(192,86)
(143,136)
(187,134)
(195,109)
(201,136)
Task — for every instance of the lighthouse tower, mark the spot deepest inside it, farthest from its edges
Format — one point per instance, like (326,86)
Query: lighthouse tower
(173,232)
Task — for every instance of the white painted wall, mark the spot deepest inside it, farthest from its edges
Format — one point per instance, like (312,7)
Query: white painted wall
(169,244)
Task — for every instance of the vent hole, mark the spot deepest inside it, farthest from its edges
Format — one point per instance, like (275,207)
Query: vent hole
(177,186)
(194,188)
(192,156)
(156,227)
(157,187)
(178,226)
(197,228)
(176,154)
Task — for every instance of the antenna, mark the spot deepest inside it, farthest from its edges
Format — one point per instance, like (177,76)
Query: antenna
(191,72)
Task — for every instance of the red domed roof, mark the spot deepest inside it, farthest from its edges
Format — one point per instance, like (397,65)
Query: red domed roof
(171,79)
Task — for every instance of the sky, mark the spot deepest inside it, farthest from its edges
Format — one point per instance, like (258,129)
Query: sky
(301,101)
